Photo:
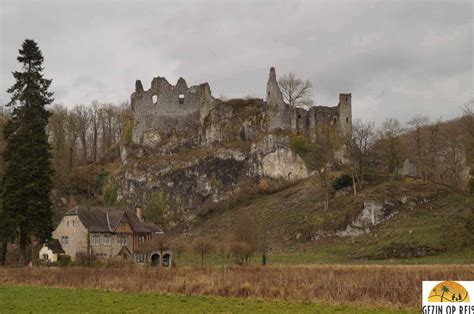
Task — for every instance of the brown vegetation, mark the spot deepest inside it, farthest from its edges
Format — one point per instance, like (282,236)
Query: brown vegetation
(398,286)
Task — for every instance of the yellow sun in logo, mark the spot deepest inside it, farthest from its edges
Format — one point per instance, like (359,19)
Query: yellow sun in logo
(448,291)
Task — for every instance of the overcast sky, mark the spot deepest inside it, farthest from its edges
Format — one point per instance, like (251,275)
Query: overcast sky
(397,58)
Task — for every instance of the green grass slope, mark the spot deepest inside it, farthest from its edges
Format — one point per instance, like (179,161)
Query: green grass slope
(429,224)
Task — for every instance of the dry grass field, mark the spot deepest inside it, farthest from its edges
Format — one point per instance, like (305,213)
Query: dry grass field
(386,286)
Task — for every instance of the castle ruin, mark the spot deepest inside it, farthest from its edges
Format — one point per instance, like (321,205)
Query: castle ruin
(192,117)
(196,150)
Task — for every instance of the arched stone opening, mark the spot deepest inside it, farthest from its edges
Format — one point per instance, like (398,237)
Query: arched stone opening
(155,259)
(166,260)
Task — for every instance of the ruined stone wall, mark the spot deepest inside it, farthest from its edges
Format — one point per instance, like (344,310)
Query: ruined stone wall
(172,118)
(304,121)
(167,113)
(232,121)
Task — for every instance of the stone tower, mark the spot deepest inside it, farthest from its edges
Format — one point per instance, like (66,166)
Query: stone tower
(278,112)
(345,114)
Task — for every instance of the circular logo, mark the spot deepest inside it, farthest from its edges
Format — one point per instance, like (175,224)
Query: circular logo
(448,291)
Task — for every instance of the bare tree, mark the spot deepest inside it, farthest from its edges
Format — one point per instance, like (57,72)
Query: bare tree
(358,146)
(468,123)
(295,91)
(95,124)
(202,246)
(432,149)
(72,131)
(245,231)
(320,154)
(389,137)
(83,128)
(179,247)
(452,155)
(241,251)
(418,125)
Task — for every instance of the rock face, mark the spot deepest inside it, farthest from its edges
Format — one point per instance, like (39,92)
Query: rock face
(372,213)
(193,178)
(190,148)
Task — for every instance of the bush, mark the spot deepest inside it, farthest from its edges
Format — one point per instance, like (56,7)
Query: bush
(117,262)
(341,182)
(299,144)
(127,133)
(64,260)
(110,194)
(156,207)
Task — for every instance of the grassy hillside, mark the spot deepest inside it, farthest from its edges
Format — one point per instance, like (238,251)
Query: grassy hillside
(429,221)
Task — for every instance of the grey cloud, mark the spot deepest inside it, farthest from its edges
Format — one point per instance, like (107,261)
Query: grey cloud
(396,57)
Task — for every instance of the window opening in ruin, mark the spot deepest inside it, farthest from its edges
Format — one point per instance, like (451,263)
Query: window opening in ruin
(299,116)
(155,99)
(181,98)
(334,120)
(347,120)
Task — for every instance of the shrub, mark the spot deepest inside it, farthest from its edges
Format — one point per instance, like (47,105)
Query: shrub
(341,182)
(156,207)
(117,262)
(127,133)
(110,194)
(101,179)
(64,260)
(299,145)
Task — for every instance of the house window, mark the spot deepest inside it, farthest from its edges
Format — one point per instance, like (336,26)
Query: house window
(73,223)
(65,241)
(122,240)
(141,239)
(140,258)
(45,257)
(107,239)
(95,240)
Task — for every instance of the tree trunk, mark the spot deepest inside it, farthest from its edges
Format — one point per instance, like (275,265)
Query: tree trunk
(84,148)
(3,251)
(23,242)
(326,192)
(94,144)
(354,184)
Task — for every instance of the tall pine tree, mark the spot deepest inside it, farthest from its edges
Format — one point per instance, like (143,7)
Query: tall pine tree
(27,182)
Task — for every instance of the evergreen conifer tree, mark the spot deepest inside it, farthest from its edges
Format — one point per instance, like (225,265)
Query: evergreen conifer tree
(27,181)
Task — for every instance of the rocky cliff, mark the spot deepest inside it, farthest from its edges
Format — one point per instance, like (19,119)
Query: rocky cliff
(192,149)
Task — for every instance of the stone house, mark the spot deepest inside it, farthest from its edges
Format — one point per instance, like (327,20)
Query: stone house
(108,232)
(50,251)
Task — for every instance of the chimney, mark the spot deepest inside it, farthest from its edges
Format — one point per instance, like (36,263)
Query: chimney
(139,212)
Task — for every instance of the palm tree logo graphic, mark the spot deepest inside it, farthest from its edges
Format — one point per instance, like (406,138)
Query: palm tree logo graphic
(448,291)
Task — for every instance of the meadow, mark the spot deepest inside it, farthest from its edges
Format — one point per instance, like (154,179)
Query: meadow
(390,287)
(57,300)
